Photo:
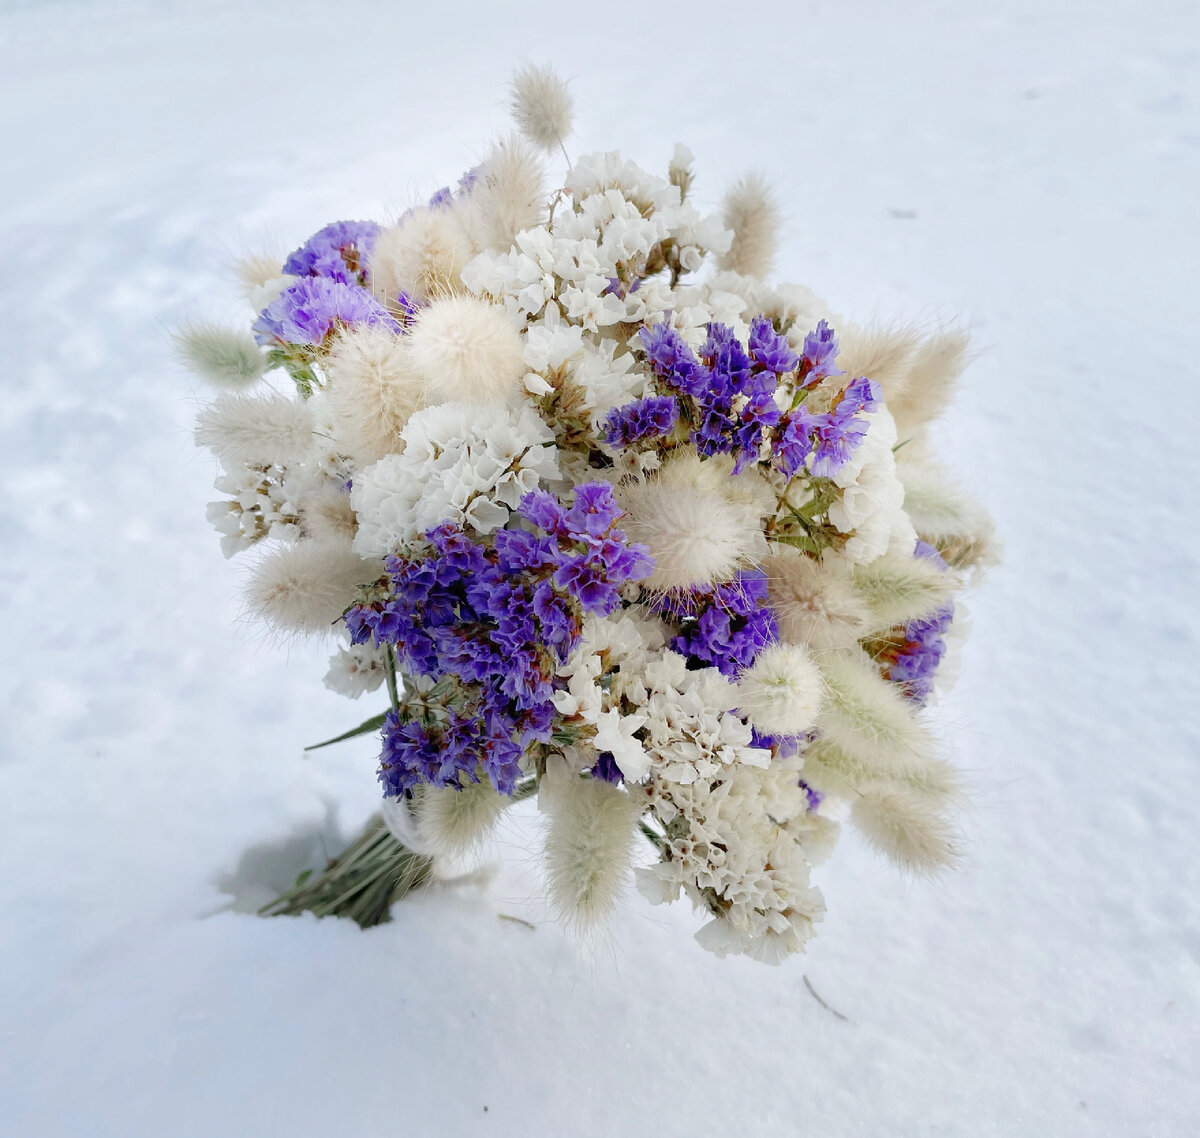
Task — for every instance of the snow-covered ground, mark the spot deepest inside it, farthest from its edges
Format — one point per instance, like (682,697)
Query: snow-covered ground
(1030,168)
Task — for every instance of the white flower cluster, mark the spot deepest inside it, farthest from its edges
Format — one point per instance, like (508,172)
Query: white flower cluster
(259,506)
(696,521)
(470,464)
(871,508)
(355,670)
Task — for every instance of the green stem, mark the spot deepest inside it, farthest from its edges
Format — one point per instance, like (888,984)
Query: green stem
(524,790)
(655,839)
(389,670)
(361,883)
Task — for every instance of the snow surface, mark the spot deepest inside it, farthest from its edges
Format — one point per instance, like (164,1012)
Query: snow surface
(1030,168)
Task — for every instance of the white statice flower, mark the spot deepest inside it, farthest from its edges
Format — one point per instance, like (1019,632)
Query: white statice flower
(590,262)
(700,304)
(740,855)
(605,670)
(606,377)
(607,170)
(469,464)
(551,345)
(522,278)
(871,507)
(615,734)
(259,505)
(692,731)
(611,227)
(355,669)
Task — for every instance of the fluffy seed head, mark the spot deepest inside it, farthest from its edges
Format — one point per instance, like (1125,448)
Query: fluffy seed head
(916,374)
(453,823)
(422,257)
(933,369)
(256,269)
(750,211)
(508,196)
(882,352)
(908,826)
(325,513)
(945,516)
(373,390)
(466,350)
(815,601)
(256,430)
(781,692)
(868,719)
(305,588)
(541,105)
(589,847)
(225,358)
(700,529)
(898,588)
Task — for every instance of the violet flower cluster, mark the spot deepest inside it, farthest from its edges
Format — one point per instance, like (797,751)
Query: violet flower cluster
(724,627)
(494,621)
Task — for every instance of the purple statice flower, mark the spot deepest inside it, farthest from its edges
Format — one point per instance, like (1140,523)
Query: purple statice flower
(819,357)
(309,309)
(593,512)
(914,662)
(737,404)
(643,419)
(543,510)
(441,198)
(769,349)
(733,386)
(618,287)
(725,626)
(498,619)
(452,752)
(726,359)
(594,559)
(672,361)
(815,797)
(606,769)
(460,612)
(338,251)
(824,442)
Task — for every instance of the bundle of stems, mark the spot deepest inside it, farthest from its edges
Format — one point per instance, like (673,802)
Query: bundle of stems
(361,883)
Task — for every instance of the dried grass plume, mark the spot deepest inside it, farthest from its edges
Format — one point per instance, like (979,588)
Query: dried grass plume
(750,211)
(227,359)
(373,389)
(466,350)
(589,847)
(305,588)
(256,430)
(541,106)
